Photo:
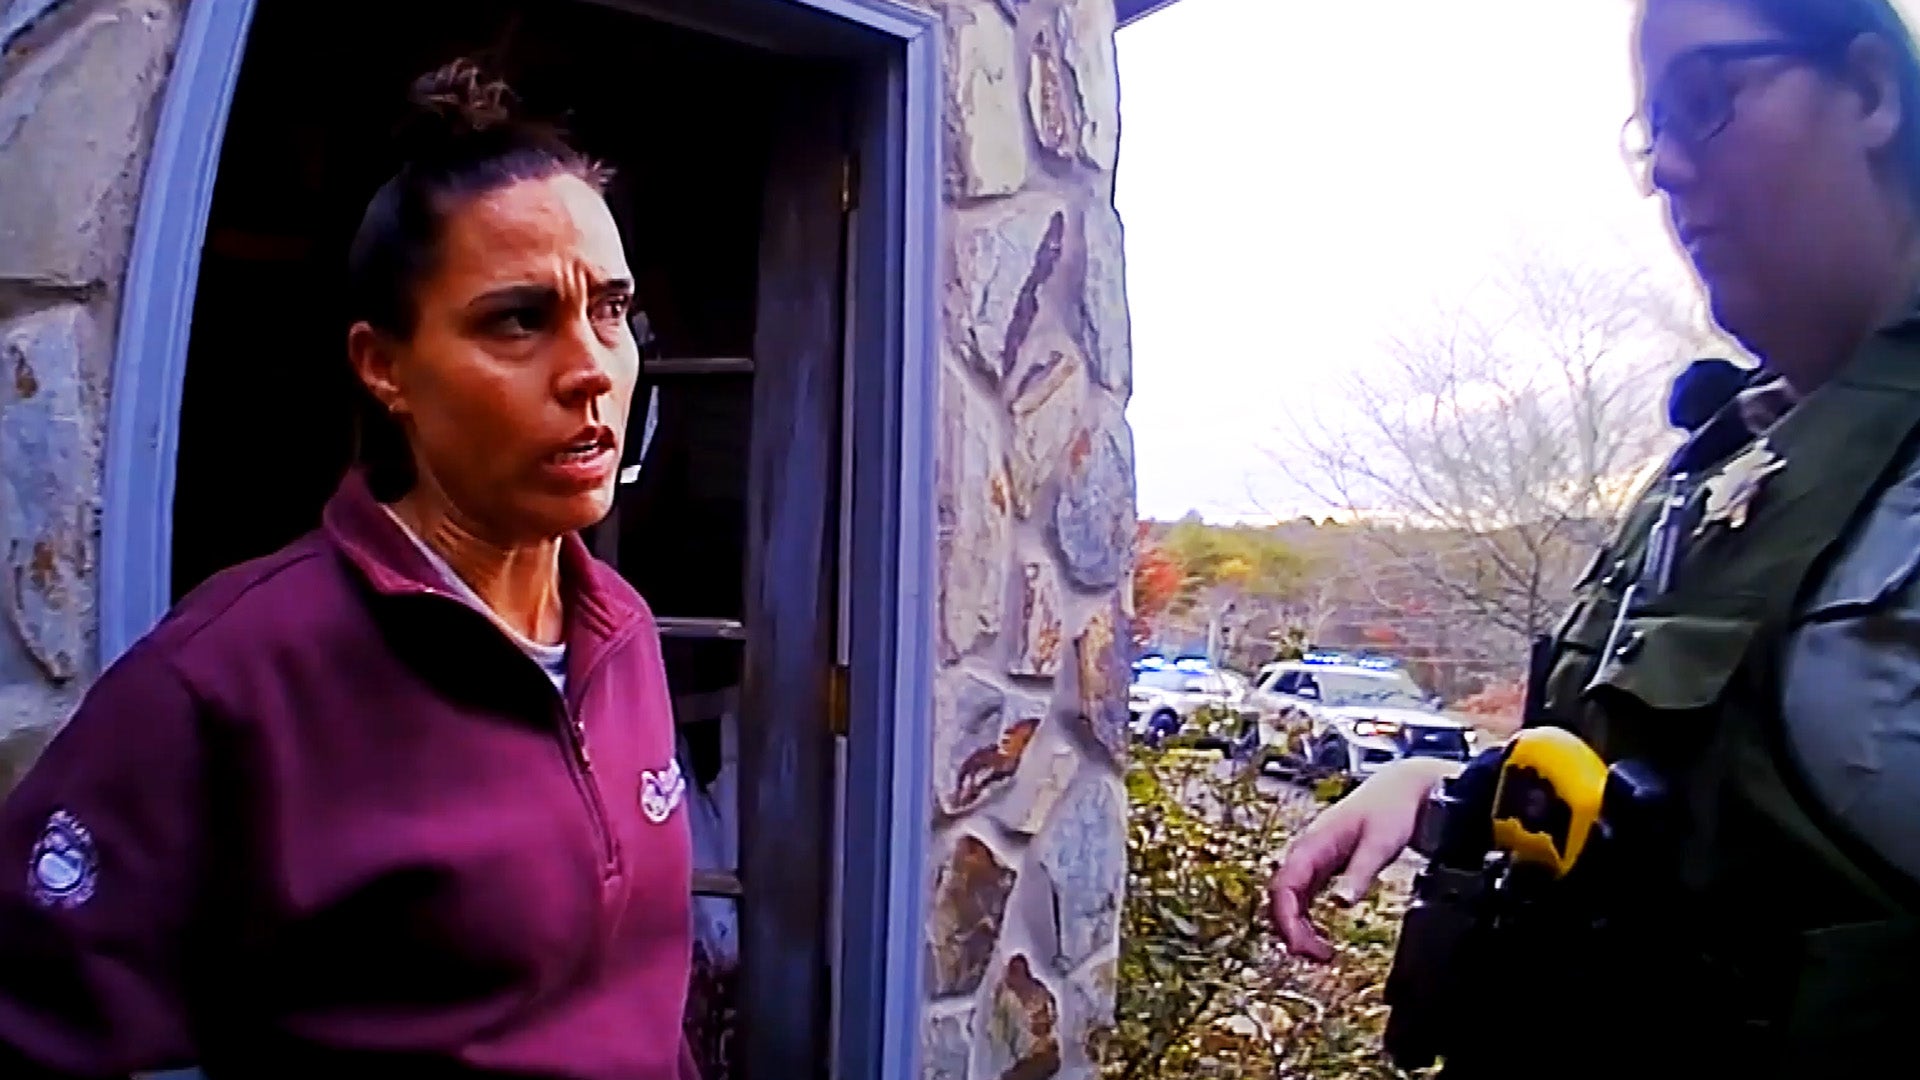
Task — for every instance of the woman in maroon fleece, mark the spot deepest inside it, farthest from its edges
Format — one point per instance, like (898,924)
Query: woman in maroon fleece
(401,799)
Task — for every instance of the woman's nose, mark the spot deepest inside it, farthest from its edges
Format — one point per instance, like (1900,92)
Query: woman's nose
(1671,166)
(584,383)
(584,366)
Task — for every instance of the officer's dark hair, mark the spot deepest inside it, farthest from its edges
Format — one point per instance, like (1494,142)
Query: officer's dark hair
(460,138)
(1702,389)
(1829,27)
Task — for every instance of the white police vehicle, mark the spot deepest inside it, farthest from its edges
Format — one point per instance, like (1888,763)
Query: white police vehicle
(1167,695)
(1344,715)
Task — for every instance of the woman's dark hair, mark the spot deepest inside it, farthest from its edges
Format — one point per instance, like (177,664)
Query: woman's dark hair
(1828,27)
(460,139)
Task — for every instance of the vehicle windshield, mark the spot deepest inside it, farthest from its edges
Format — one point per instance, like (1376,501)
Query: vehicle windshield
(1176,681)
(1350,689)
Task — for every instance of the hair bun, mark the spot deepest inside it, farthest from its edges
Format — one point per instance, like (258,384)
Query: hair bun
(451,105)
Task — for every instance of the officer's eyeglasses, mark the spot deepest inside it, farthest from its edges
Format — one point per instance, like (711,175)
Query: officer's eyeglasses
(1694,100)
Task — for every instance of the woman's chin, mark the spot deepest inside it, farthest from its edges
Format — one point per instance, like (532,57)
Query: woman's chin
(589,508)
(552,517)
(1735,309)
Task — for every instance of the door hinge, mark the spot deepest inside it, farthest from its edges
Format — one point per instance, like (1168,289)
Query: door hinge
(849,183)
(839,704)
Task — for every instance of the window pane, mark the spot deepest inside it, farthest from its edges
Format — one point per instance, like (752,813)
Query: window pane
(709,737)
(713,992)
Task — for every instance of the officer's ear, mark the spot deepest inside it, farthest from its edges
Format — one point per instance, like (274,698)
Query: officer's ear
(1873,73)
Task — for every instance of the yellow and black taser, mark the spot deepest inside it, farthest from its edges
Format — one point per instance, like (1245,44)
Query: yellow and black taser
(1523,847)
(1548,800)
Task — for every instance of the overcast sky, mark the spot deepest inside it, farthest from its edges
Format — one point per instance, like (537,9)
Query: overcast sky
(1300,179)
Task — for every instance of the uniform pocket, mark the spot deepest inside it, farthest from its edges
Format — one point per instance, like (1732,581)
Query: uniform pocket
(1582,634)
(1878,564)
(1674,663)
(1588,622)
(1850,675)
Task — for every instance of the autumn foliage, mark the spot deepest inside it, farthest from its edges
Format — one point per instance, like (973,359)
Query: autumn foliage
(1496,708)
(1157,580)
(1205,991)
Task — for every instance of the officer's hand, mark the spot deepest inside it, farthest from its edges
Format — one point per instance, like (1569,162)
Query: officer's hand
(1355,839)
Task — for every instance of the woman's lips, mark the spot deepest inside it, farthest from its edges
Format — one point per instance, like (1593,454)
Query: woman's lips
(1694,239)
(1708,253)
(588,461)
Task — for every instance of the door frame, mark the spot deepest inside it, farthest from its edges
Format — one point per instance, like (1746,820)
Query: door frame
(885,835)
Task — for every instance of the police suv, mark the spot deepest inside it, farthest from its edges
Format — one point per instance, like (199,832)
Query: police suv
(1167,697)
(1336,714)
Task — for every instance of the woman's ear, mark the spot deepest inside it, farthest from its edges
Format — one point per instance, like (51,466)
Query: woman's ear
(372,355)
(1873,72)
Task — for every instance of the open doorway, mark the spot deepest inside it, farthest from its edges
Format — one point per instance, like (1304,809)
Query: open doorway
(304,151)
(733,183)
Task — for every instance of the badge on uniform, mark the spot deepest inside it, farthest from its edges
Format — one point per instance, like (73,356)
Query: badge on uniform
(64,866)
(661,792)
(1730,495)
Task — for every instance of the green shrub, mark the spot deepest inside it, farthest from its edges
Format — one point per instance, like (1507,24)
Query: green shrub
(1209,725)
(1204,989)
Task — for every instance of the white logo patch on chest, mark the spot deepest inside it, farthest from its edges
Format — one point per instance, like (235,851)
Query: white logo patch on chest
(64,866)
(661,792)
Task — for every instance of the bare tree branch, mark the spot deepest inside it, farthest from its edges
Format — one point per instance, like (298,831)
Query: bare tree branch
(1490,449)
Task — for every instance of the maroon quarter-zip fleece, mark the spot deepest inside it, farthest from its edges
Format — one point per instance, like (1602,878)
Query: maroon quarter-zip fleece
(329,820)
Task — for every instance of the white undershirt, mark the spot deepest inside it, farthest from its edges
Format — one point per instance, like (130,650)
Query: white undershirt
(551,658)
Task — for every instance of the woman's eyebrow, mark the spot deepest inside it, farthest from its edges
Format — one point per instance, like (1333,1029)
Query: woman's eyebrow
(512,296)
(516,296)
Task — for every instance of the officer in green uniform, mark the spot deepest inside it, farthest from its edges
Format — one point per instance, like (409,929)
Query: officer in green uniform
(1754,631)
(1707,401)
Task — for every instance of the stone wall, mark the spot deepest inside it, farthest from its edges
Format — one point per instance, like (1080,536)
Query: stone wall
(79,93)
(1036,547)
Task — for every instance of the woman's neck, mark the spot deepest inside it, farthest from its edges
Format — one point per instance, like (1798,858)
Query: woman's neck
(520,584)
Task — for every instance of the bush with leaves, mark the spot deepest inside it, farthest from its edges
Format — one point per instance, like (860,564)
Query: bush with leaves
(1205,990)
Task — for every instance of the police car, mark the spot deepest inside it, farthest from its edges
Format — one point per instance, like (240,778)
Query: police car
(1343,715)
(1166,696)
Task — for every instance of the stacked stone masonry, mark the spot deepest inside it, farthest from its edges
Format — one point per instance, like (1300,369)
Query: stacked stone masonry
(1035,477)
(80,85)
(1037,522)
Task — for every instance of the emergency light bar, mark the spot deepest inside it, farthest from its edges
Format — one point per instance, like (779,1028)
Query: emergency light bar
(1331,658)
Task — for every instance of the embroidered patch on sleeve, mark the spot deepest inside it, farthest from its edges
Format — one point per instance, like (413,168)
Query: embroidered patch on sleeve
(661,792)
(64,866)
